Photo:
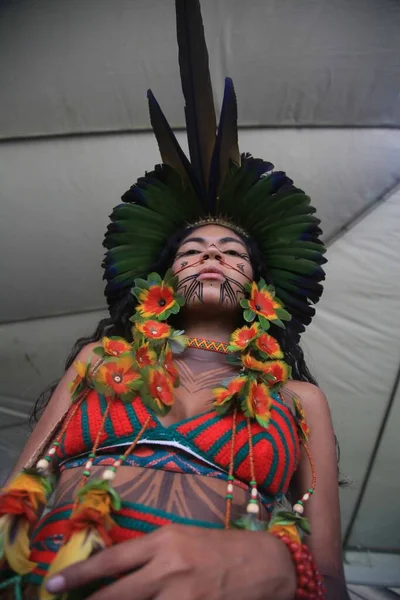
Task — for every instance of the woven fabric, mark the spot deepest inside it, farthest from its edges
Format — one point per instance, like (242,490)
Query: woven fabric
(206,436)
(203,344)
(132,521)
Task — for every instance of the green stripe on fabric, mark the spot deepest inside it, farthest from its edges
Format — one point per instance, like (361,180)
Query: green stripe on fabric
(88,442)
(219,443)
(52,518)
(163,515)
(108,425)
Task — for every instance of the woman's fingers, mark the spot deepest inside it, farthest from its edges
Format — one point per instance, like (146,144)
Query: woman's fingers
(141,585)
(113,561)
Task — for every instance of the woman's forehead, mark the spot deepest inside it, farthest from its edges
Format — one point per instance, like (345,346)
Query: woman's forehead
(212,233)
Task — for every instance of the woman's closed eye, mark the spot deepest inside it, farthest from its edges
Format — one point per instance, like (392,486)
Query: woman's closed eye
(236,253)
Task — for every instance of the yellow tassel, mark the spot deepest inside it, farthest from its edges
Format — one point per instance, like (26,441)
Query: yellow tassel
(16,550)
(79,547)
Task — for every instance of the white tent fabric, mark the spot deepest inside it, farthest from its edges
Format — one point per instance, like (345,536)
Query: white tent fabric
(318,82)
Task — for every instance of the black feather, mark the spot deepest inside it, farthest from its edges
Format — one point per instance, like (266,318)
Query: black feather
(226,147)
(196,85)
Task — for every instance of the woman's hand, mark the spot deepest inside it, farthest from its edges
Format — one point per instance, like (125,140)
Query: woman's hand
(191,563)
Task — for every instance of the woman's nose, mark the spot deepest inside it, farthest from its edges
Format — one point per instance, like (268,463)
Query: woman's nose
(212,253)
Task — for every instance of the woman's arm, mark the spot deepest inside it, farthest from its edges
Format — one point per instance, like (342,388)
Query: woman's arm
(322,509)
(52,416)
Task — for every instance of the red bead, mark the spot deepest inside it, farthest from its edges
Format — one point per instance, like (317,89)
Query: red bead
(285,539)
(297,556)
(303,581)
(293,546)
(300,568)
(301,594)
(308,573)
(311,585)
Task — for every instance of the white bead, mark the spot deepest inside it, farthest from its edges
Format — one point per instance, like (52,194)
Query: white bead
(117,463)
(305,497)
(52,451)
(159,388)
(253,509)
(298,508)
(254,493)
(89,464)
(108,475)
(42,465)
(229,488)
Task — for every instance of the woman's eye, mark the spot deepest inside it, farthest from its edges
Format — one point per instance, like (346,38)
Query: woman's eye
(235,253)
(191,251)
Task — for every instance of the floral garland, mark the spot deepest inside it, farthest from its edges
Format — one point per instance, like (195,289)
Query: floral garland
(263,372)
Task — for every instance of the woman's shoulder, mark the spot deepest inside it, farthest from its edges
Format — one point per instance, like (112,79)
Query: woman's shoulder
(311,397)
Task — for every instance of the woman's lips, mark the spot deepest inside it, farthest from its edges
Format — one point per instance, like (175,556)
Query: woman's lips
(212,275)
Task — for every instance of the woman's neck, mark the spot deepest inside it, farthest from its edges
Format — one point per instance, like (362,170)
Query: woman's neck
(214,328)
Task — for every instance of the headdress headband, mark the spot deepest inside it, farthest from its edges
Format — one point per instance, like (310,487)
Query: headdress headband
(217,182)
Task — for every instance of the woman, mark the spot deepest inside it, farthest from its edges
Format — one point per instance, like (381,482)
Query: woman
(193,438)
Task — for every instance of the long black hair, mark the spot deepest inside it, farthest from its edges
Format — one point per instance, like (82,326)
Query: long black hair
(122,308)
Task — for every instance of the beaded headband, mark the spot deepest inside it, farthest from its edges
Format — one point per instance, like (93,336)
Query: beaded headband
(223,221)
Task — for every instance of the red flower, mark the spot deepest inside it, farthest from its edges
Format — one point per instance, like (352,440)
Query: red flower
(263,303)
(277,370)
(268,345)
(170,367)
(242,337)
(145,357)
(249,362)
(156,301)
(115,346)
(161,388)
(118,378)
(258,403)
(224,394)
(153,329)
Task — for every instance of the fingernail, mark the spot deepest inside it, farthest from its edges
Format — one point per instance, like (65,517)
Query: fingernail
(55,584)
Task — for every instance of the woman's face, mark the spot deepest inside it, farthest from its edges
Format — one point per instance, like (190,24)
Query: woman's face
(213,265)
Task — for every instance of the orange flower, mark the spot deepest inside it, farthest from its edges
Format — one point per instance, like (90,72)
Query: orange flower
(115,346)
(263,303)
(249,362)
(153,329)
(268,345)
(223,394)
(242,337)
(277,370)
(161,389)
(145,357)
(118,378)
(170,367)
(257,403)
(157,301)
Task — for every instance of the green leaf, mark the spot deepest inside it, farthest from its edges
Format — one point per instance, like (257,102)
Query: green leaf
(244,303)
(279,323)
(283,314)
(115,499)
(99,350)
(249,315)
(136,291)
(141,284)
(265,324)
(249,523)
(154,279)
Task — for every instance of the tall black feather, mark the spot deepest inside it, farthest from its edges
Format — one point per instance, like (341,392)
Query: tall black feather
(170,150)
(196,85)
(226,147)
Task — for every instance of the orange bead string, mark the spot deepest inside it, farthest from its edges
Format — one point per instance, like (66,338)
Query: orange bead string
(229,497)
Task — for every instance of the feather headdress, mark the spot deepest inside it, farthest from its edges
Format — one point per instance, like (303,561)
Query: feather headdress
(216,182)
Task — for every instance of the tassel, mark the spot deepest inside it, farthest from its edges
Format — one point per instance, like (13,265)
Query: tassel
(87,529)
(19,505)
